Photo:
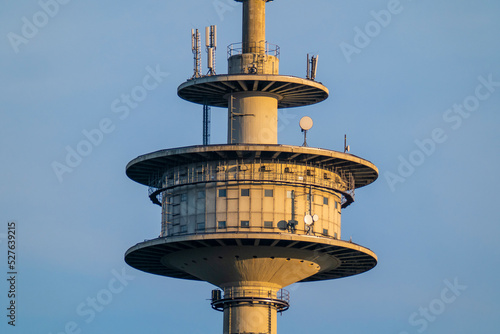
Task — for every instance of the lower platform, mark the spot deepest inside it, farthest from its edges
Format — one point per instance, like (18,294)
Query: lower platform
(278,258)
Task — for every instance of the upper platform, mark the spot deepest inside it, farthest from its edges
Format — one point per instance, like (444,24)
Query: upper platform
(215,90)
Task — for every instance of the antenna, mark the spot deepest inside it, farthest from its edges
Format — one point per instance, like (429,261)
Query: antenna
(211,44)
(305,124)
(308,71)
(347,148)
(195,48)
(207,37)
(309,220)
(312,67)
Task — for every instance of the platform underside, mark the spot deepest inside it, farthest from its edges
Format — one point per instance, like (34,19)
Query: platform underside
(291,91)
(321,258)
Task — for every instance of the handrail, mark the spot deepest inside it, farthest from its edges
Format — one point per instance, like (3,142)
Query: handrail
(342,182)
(252,229)
(262,48)
(280,299)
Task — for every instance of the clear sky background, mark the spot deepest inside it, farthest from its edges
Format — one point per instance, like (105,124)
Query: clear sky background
(431,217)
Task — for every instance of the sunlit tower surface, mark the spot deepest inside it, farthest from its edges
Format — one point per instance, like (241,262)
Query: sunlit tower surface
(251,216)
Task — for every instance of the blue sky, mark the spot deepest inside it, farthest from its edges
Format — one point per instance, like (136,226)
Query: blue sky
(430,217)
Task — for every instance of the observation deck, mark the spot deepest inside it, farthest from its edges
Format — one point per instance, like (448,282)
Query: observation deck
(197,255)
(189,165)
(145,168)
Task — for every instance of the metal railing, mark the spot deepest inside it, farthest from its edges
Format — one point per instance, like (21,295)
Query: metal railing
(167,231)
(258,47)
(280,299)
(302,175)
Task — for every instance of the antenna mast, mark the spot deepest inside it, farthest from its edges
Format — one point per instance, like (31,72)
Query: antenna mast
(347,148)
(195,48)
(312,67)
(211,44)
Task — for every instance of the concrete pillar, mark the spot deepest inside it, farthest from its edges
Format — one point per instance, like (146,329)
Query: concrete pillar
(254,26)
(247,316)
(253,118)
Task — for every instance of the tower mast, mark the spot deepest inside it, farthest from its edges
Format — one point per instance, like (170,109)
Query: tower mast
(251,216)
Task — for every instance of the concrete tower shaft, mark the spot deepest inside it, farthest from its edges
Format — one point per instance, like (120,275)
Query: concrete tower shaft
(253,116)
(255,55)
(254,26)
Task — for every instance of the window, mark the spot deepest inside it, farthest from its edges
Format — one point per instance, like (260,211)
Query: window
(335,235)
(184,228)
(176,199)
(310,197)
(325,200)
(245,192)
(268,224)
(268,192)
(200,226)
(222,192)
(336,205)
(309,172)
(184,197)
(289,194)
(245,223)
(325,231)
(221,224)
(201,194)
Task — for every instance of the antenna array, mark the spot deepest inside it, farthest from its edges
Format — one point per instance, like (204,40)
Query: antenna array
(312,67)
(211,44)
(195,47)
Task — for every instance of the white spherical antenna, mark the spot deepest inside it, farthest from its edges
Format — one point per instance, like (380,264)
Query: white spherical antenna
(308,219)
(306,123)
(315,218)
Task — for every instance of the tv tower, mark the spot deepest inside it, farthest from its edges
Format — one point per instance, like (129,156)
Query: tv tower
(251,216)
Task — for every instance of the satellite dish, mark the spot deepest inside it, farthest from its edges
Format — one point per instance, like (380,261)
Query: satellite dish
(282,225)
(308,219)
(315,218)
(306,123)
